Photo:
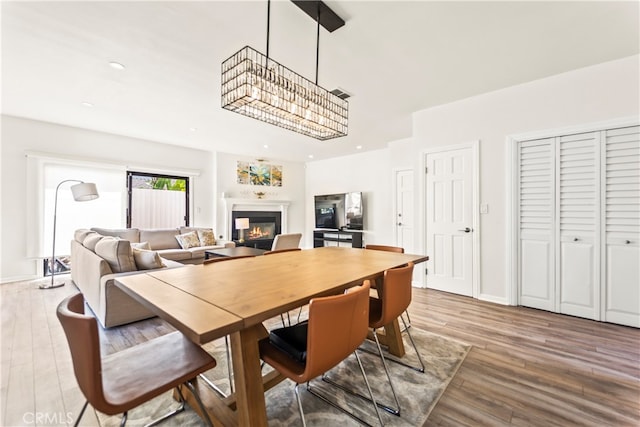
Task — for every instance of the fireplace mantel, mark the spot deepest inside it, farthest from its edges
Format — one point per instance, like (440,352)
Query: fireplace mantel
(266,205)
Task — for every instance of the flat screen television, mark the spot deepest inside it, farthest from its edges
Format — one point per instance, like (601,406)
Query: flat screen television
(326,217)
(339,211)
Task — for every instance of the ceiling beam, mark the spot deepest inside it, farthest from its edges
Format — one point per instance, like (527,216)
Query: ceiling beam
(328,18)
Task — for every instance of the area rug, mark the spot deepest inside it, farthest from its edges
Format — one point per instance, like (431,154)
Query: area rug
(417,392)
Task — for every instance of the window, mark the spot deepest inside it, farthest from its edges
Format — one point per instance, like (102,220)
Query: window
(44,173)
(157,201)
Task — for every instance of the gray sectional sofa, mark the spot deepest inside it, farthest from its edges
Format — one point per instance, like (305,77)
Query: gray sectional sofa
(98,256)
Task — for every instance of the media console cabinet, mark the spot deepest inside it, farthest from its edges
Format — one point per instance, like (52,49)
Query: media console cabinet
(348,239)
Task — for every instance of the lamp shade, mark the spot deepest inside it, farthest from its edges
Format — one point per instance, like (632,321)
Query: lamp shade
(84,191)
(242,223)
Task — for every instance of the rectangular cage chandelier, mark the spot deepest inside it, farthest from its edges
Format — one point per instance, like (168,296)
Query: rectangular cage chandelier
(259,87)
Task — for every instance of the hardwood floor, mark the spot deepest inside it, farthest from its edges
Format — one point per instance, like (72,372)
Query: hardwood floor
(527,367)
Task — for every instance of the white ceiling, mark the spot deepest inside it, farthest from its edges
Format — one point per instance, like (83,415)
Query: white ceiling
(394,57)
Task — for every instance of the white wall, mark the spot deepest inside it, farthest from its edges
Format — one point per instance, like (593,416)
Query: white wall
(599,93)
(292,190)
(19,135)
(369,173)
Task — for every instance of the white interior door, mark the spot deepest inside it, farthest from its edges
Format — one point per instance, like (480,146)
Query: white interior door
(621,215)
(404,215)
(449,220)
(536,225)
(577,207)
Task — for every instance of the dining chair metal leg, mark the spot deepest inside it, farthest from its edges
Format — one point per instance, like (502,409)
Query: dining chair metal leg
(229,364)
(297,392)
(196,395)
(167,415)
(86,402)
(381,405)
(371,398)
(413,343)
(415,348)
(213,386)
(406,324)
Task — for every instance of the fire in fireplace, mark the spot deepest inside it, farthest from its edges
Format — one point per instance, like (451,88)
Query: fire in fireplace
(261,231)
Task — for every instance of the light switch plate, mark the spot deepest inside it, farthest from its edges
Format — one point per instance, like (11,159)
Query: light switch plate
(484,208)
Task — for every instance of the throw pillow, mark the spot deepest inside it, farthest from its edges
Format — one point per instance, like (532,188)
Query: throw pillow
(142,245)
(207,237)
(91,241)
(147,260)
(188,240)
(117,253)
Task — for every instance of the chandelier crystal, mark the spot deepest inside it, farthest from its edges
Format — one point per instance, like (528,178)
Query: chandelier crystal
(257,86)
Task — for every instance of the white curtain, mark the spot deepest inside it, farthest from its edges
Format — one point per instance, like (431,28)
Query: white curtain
(43,176)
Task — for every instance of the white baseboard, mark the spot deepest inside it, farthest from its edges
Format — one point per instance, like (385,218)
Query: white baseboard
(5,280)
(494,299)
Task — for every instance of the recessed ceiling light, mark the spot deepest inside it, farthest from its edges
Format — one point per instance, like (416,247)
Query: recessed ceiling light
(87,104)
(359,147)
(116,65)
(265,146)
(311,156)
(193,129)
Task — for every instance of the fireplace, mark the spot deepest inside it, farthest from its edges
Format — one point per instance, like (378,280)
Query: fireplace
(263,227)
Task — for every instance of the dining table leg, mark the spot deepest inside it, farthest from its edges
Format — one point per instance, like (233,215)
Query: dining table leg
(250,403)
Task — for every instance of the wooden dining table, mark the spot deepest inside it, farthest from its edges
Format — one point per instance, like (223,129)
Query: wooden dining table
(206,302)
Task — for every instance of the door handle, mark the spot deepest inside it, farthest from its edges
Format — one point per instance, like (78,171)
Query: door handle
(399,223)
(466,230)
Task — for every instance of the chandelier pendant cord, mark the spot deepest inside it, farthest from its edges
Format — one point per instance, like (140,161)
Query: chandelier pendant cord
(317,43)
(268,23)
(317,36)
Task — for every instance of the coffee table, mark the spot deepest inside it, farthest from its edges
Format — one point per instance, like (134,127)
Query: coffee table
(233,252)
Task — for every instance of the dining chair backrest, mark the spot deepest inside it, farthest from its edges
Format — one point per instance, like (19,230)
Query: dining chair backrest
(385,248)
(84,342)
(286,241)
(279,251)
(337,326)
(395,295)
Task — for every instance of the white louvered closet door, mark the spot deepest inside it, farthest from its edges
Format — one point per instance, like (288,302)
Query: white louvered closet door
(536,224)
(621,227)
(577,213)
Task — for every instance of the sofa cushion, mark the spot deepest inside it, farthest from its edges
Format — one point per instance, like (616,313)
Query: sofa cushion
(206,236)
(117,253)
(80,234)
(188,240)
(160,238)
(92,240)
(147,260)
(130,234)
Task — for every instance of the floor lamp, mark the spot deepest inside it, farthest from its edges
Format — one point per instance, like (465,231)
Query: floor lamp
(82,192)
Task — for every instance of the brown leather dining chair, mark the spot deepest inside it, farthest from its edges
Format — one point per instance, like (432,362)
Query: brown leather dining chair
(395,297)
(337,326)
(119,382)
(399,250)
